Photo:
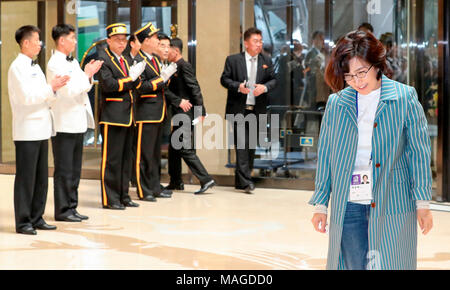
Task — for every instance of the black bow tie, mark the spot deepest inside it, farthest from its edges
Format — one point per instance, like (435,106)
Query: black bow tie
(69,58)
(34,62)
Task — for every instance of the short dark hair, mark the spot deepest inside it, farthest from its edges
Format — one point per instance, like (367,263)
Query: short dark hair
(162,36)
(367,26)
(249,32)
(132,38)
(62,30)
(317,33)
(387,39)
(177,42)
(25,32)
(355,44)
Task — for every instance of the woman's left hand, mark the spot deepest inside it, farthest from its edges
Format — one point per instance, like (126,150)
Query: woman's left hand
(425,220)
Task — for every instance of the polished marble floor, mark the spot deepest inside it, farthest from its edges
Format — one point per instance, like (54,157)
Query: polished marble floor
(226,229)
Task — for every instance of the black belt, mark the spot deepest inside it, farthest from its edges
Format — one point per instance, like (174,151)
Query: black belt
(249,107)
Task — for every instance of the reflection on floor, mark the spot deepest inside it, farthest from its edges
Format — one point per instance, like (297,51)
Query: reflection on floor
(227,229)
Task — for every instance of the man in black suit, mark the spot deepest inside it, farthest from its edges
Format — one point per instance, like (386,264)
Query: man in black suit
(150,114)
(186,90)
(248,76)
(117,81)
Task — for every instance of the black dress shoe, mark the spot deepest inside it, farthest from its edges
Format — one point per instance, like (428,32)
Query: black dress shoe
(114,206)
(70,218)
(80,216)
(205,187)
(166,193)
(27,231)
(249,188)
(179,186)
(149,198)
(45,226)
(130,204)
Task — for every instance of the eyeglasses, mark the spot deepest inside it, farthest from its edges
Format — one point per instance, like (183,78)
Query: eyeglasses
(359,75)
(257,41)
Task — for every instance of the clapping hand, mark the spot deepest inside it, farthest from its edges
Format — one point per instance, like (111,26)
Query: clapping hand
(93,67)
(137,69)
(168,71)
(59,82)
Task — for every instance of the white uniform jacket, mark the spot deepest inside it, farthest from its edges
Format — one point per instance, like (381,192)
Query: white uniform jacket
(29,96)
(71,109)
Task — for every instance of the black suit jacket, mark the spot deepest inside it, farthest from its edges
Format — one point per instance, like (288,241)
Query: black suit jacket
(151,102)
(184,85)
(235,73)
(116,91)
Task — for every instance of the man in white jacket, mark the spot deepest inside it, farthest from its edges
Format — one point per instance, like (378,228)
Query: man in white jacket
(30,96)
(73,116)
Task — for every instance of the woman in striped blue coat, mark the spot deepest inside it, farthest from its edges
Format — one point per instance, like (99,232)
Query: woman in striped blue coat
(374,128)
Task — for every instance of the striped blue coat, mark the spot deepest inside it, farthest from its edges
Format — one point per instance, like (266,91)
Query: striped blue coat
(401,173)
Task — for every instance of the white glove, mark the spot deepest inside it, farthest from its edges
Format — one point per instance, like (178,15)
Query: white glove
(136,70)
(168,71)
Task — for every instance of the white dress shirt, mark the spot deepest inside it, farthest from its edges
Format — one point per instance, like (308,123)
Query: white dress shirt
(29,96)
(248,62)
(149,56)
(71,109)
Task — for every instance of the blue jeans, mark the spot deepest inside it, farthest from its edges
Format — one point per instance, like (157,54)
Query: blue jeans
(355,236)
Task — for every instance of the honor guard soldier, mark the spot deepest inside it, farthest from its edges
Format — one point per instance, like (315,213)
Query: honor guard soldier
(150,113)
(132,50)
(117,81)
(30,96)
(73,116)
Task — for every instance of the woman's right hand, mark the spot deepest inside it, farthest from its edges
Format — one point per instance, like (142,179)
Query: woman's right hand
(319,222)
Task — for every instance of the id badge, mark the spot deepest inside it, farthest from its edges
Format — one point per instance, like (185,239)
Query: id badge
(361,186)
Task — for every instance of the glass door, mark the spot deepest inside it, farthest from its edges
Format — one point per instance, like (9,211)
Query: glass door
(294,37)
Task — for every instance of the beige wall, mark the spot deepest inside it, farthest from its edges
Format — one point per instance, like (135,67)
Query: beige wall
(50,21)
(182,19)
(13,15)
(249,14)
(217,37)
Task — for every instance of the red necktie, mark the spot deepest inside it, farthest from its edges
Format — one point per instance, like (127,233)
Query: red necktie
(122,65)
(154,63)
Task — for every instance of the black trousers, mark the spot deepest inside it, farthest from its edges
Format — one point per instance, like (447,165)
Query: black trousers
(245,153)
(67,155)
(148,159)
(115,167)
(133,155)
(188,154)
(31,182)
